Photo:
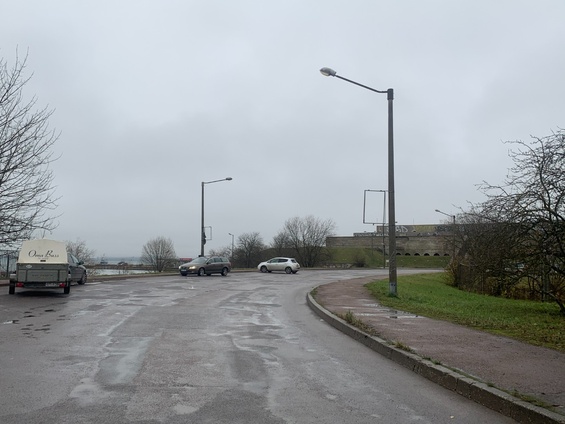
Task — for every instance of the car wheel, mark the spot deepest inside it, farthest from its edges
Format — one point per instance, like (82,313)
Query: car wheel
(12,289)
(83,279)
(288,270)
(263,268)
(225,271)
(201,272)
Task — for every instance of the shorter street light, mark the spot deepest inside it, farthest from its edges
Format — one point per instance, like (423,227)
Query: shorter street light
(232,236)
(452,231)
(447,214)
(202,228)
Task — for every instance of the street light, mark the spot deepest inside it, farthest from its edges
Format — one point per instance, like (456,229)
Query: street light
(328,72)
(231,245)
(202,231)
(447,214)
(452,231)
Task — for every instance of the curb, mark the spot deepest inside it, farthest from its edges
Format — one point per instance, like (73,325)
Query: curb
(477,391)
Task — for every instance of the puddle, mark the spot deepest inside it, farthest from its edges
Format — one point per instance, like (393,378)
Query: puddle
(404,316)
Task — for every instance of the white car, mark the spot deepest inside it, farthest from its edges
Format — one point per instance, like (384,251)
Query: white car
(288,265)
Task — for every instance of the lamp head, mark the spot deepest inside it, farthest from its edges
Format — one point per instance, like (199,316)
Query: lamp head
(328,72)
(229,178)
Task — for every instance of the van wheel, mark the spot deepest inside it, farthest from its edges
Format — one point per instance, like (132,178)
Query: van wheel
(12,289)
(67,289)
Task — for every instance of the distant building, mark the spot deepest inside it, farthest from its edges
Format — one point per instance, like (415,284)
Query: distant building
(411,240)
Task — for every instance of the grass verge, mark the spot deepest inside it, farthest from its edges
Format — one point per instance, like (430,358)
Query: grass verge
(350,318)
(537,323)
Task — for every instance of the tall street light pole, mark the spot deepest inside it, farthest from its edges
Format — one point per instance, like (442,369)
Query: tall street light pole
(202,231)
(392,280)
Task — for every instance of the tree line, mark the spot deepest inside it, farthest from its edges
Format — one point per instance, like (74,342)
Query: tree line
(303,238)
(513,243)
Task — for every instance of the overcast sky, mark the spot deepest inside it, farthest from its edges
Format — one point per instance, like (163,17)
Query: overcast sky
(153,97)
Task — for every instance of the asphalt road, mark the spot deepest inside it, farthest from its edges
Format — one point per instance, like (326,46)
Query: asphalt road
(238,349)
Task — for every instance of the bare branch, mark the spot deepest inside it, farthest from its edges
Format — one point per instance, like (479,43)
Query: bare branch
(26,180)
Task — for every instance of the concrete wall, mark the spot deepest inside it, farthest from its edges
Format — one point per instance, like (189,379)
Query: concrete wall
(412,240)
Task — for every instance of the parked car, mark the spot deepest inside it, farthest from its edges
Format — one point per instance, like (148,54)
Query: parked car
(288,265)
(77,270)
(206,266)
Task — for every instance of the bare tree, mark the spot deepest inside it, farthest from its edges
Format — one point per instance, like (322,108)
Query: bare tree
(307,237)
(159,253)
(249,249)
(79,249)
(221,251)
(280,243)
(527,216)
(26,181)
(489,250)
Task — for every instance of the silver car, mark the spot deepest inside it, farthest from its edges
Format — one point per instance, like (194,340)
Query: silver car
(288,265)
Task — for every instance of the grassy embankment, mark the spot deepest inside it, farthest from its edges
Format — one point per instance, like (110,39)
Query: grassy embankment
(537,323)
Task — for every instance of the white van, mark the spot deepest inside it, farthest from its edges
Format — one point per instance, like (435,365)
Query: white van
(45,264)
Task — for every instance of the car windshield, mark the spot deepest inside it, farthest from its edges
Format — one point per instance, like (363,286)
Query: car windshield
(199,260)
